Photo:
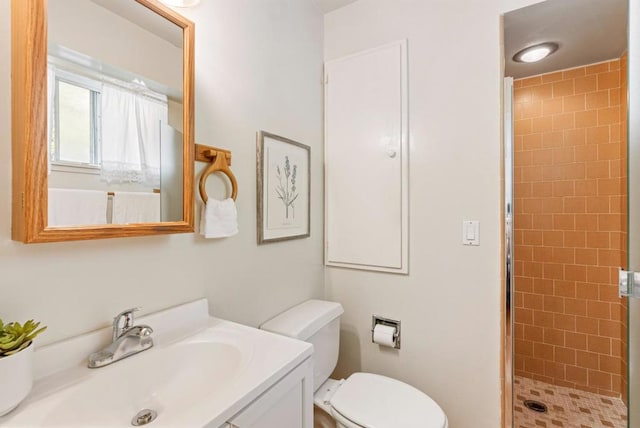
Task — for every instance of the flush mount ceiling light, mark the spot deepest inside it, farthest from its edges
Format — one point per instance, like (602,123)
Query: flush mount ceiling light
(536,52)
(181,3)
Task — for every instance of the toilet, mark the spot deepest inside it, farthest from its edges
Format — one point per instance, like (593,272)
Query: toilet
(363,400)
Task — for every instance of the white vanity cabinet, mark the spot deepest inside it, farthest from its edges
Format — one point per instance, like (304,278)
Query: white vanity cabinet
(288,403)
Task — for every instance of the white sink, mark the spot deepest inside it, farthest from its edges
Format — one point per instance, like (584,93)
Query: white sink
(200,379)
(167,380)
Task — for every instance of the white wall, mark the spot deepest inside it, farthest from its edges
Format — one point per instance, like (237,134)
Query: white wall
(258,66)
(449,304)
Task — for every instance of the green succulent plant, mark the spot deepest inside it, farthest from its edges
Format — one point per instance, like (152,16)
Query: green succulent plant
(15,337)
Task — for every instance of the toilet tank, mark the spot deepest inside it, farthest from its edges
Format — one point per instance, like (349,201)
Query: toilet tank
(316,322)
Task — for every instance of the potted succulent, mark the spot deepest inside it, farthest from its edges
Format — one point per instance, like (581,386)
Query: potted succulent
(16,357)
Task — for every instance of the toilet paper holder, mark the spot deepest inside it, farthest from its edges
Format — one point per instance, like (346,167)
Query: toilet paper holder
(375,320)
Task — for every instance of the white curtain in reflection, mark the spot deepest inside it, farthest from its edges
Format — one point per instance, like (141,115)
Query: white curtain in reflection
(131,135)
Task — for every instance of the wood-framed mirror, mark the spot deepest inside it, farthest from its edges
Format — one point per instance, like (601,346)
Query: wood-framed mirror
(102,120)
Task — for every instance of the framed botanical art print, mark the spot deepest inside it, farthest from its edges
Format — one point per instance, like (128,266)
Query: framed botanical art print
(284,187)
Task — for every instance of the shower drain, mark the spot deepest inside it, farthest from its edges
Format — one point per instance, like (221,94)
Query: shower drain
(536,406)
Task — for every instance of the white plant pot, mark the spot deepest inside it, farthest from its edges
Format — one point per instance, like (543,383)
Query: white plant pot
(16,372)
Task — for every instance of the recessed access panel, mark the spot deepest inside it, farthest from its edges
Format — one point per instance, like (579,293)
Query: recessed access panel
(366,152)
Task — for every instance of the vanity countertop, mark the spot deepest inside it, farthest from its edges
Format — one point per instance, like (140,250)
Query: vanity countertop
(200,372)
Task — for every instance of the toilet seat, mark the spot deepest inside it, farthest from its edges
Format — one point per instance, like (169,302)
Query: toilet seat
(369,400)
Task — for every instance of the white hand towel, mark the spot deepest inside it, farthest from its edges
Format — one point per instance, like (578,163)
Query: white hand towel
(136,207)
(73,207)
(219,219)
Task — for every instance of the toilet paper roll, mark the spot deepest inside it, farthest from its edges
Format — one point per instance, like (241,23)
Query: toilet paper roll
(384,335)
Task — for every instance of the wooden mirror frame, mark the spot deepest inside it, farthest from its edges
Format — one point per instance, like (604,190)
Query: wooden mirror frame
(29,132)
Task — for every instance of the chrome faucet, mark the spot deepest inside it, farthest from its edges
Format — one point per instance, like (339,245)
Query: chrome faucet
(127,340)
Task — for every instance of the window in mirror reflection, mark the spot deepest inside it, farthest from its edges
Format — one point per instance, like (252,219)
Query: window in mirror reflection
(113,125)
(76,134)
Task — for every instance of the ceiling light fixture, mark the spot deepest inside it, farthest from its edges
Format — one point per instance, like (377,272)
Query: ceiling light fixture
(535,53)
(181,3)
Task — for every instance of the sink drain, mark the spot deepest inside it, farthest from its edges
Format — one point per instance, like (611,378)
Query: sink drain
(536,406)
(144,417)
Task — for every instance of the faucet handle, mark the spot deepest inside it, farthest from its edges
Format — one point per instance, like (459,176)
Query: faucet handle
(140,330)
(128,322)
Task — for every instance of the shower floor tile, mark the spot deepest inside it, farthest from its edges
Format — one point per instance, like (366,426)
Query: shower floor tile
(567,407)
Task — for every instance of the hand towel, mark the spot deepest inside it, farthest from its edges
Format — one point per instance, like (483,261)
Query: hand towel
(136,207)
(73,207)
(219,219)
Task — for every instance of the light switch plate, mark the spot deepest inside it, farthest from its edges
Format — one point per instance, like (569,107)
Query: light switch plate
(471,232)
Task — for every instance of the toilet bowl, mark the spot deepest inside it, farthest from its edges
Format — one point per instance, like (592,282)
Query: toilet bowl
(363,400)
(370,400)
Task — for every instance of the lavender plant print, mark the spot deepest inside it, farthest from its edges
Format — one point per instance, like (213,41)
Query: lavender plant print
(283,206)
(286,187)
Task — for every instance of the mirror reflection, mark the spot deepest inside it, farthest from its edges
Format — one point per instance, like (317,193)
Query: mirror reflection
(115,79)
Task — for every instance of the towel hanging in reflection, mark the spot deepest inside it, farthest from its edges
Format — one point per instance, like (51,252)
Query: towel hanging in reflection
(73,207)
(136,207)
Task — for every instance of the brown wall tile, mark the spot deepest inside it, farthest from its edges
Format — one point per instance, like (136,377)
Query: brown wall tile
(576,374)
(570,226)
(563,88)
(577,341)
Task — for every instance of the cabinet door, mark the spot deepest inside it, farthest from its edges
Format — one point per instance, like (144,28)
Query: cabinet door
(289,403)
(366,153)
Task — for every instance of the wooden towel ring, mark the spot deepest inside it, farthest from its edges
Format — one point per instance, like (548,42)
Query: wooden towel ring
(218,165)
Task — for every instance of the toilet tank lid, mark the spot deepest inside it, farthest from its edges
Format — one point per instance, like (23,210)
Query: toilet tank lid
(304,320)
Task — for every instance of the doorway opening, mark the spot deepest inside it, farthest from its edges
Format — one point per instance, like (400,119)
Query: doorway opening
(567,200)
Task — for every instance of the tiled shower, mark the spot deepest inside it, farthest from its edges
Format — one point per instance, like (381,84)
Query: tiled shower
(570,236)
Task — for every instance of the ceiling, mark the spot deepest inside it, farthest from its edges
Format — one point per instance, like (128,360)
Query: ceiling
(145,18)
(587,31)
(329,5)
